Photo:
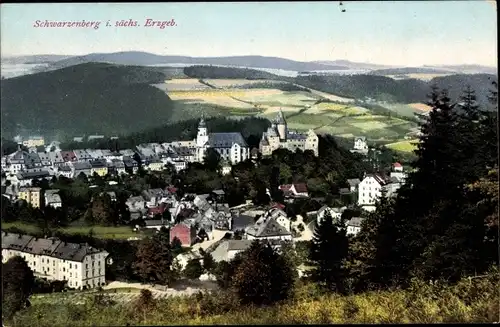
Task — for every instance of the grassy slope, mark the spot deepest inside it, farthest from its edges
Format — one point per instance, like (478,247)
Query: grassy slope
(123,232)
(423,303)
(87,98)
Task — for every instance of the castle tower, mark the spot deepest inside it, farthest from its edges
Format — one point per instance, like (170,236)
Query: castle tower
(281,124)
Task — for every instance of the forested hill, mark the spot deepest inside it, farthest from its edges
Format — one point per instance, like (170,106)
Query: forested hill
(87,98)
(230,73)
(405,91)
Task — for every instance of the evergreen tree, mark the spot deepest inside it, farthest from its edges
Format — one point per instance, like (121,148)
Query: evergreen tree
(263,276)
(17,285)
(329,250)
(193,269)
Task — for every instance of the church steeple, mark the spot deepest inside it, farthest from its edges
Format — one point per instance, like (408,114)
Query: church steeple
(282,129)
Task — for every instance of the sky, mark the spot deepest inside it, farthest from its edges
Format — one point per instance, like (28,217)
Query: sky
(381,32)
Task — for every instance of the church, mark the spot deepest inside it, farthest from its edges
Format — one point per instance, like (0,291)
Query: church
(231,146)
(278,136)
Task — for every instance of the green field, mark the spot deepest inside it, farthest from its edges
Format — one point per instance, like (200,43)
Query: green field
(302,110)
(403,146)
(122,232)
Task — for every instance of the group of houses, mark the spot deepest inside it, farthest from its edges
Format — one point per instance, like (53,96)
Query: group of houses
(22,167)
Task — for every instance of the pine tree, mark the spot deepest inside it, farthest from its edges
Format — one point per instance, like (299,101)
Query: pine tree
(17,285)
(328,251)
(263,276)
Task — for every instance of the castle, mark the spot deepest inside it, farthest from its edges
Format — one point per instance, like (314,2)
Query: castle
(278,136)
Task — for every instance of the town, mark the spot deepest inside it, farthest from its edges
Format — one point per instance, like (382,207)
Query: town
(201,219)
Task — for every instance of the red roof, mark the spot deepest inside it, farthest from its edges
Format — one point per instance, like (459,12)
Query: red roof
(277,205)
(156,210)
(397,164)
(68,156)
(285,187)
(300,188)
(171,189)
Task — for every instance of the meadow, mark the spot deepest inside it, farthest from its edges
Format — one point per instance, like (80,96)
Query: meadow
(103,232)
(325,113)
(470,301)
(403,146)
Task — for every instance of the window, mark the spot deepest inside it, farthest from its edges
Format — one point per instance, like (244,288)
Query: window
(86,266)
(70,266)
(53,263)
(87,274)
(64,269)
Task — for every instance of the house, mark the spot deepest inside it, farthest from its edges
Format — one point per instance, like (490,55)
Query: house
(335,213)
(82,156)
(371,188)
(281,218)
(155,165)
(81,265)
(397,172)
(354,225)
(68,156)
(119,166)
(159,210)
(45,159)
(226,168)
(228,249)
(131,166)
(16,162)
(136,203)
(360,145)
(267,228)
(34,141)
(78,139)
(26,178)
(53,199)
(65,171)
(241,222)
(31,195)
(218,196)
(155,224)
(182,259)
(99,167)
(95,137)
(294,190)
(353,184)
(153,196)
(82,167)
(186,233)
(56,158)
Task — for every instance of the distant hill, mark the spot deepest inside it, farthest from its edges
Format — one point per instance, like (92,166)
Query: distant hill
(468,69)
(409,70)
(353,65)
(145,59)
(33,59)
(87,98)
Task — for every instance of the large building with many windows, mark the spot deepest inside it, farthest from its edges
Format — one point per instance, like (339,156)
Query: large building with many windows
(231,146)
(80,265)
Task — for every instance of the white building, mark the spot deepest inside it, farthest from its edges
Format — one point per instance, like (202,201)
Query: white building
(231,146)
(53,199)
(227,250)
(267,228)
(354,225)
(278,136)
(335,213)
(360,145)
(371,187)
(81,265)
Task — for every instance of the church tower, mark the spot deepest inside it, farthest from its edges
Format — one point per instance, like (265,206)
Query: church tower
(202,136)
(201,141)
(282,128)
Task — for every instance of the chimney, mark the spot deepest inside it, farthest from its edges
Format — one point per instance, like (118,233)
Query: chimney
(20,236)
(53,241)
(65,243)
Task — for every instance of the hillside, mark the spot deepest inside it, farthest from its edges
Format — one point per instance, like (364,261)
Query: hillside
(409,70)
(203,71)
(87,98)
(144,59)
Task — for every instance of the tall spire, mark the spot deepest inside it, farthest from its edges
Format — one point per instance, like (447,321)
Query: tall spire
(280,119)
(202,121)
